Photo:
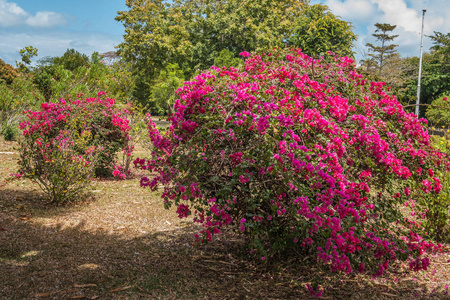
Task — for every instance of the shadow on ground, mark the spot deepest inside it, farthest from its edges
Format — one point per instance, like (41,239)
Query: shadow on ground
(56,262)
(24,202)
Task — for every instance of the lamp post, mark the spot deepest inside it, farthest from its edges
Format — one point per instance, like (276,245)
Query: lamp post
(420,65)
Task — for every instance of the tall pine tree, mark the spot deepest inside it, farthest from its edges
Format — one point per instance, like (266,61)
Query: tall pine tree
(379,55)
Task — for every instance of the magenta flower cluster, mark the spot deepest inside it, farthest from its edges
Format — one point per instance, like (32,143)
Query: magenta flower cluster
(299,152)
(84,126)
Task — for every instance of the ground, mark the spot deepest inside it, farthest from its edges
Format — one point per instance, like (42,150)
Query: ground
(122,244)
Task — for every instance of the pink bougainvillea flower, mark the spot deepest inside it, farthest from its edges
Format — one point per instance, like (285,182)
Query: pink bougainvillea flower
(244,54)
(297,148)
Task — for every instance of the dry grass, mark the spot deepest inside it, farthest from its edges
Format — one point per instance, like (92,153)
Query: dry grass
(124,245)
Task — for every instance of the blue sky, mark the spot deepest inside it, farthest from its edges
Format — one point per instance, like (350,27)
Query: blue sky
(406,14)
(53,26)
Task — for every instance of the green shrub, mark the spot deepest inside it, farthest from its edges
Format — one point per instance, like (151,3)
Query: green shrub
(436,217)
(438,113)
(9,132)
(16,97)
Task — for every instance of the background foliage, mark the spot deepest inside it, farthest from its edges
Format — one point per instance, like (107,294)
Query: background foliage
(318,31)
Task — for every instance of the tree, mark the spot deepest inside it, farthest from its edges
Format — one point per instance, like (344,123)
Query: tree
(192,33)
(16,97)
(436,79)
(436,73)
(164,88)
(155,34)
(26,53)
(45,61)
(122,81)
(227,59)
(441,44)
(379,54)
(109,58)
(7,72)
(245,25)
(319,31)
(42,79)
(71,60)
(399,74)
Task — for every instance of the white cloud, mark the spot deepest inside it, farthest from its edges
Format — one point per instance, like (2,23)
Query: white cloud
(78,44)
(352,10)
(407,15)
(396,12)
(54,44)
(45,19)
(12,15)
(436,17)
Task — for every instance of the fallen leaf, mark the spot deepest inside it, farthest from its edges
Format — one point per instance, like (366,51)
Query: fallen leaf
(390,295)
(85,285)
(121,289)
(78,297)
(25,218)
(45,294)
(3,229)
(139,288)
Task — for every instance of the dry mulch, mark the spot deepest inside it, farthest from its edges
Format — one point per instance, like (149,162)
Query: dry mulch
(123,244)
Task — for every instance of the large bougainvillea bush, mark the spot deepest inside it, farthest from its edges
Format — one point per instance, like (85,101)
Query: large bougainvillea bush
(303,153)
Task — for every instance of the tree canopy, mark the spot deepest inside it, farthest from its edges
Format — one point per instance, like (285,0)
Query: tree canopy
(436,79)
(196,34)
(318,30)
(71,60)
(435,73)
(26,54)
(7,72)
(193,33)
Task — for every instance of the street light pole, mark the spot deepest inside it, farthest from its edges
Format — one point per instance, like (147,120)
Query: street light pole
(420,65)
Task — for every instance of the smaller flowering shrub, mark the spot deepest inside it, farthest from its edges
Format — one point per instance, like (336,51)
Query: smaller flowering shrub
(67,143)
(299,153)
(137,124)
(60,171)
(108,128)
